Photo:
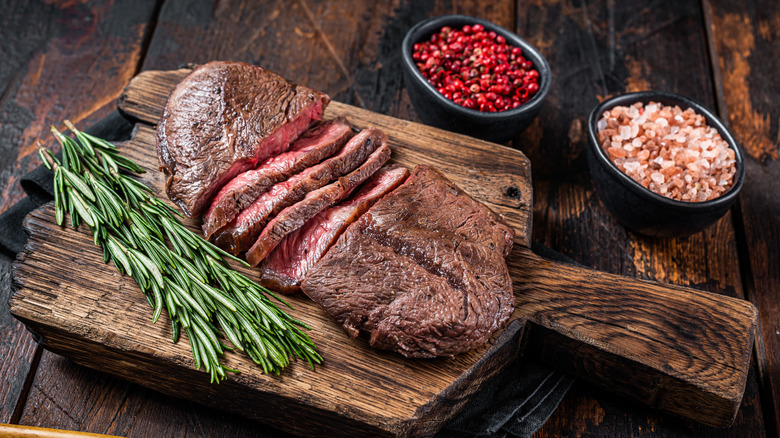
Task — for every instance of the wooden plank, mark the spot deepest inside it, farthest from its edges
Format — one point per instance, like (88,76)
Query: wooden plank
(407,388)
(675,343)
(349,52)
(100,403)
(52,53)
(745,43)
(17,351)
(597,50)
(17,431)
(383,82)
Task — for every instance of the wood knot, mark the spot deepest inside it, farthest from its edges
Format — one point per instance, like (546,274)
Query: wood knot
(513,192)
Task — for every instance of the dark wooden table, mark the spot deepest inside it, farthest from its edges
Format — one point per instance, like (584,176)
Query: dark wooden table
(72,59)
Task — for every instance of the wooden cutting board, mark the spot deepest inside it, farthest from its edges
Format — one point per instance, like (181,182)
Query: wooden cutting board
(677,349)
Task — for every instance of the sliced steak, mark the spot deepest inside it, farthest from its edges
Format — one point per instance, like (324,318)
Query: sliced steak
(223,119)
(294,216)
(288,263)
(312,147)
(242,232)
(420,286)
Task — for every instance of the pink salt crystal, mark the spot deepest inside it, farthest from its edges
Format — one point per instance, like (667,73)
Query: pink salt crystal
(616,152)
(631,166)
(709,154)
(668,172)
(688,159)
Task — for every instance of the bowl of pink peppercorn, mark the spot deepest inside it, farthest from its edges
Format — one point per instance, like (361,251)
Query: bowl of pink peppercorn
(471,76)
(663,164)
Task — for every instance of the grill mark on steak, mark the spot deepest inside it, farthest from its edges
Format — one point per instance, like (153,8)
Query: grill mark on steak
(293,217)
(401,305)
(420,286)
(221,120)
(312,147)
(436,203)
(242,232)
(284,268)
(433,250)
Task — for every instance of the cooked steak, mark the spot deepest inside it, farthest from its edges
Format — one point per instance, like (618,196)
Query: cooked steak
(422,271)
(223,119)
(312,147)
(294,216)
(288,263)
(242,232)
(437,203)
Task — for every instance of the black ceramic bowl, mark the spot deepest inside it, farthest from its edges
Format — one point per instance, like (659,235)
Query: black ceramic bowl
(436,110)
(640,209)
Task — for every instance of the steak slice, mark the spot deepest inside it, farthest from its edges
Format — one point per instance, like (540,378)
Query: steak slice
(420,286)
(312,147)
(293,217)
(288,263)
(223,119)
(239,235)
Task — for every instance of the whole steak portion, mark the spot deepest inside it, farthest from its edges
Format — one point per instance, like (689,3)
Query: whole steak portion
(418,272)
(223,119)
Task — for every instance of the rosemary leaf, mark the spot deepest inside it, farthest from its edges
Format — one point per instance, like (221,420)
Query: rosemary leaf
(178,271)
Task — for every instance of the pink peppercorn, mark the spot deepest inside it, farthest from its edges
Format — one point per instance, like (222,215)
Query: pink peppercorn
(476,69)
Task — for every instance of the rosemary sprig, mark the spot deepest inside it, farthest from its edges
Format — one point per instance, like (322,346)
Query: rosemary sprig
(177,270)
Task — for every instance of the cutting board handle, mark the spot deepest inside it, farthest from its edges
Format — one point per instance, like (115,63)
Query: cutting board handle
(674,348)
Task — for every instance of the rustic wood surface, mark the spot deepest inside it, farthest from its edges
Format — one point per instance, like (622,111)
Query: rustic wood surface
(722,54)
(22,431)
(357,390)
(746,40)
(686,352)
(52,54)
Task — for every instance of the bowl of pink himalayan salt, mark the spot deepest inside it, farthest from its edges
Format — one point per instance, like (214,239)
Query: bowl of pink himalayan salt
(663,164)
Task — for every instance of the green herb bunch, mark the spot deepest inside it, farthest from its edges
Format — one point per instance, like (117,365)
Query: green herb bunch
(176,269)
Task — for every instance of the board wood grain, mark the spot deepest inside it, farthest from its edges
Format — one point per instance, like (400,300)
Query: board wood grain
(677,349)
(745,42)
(601,49)
(51,53)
